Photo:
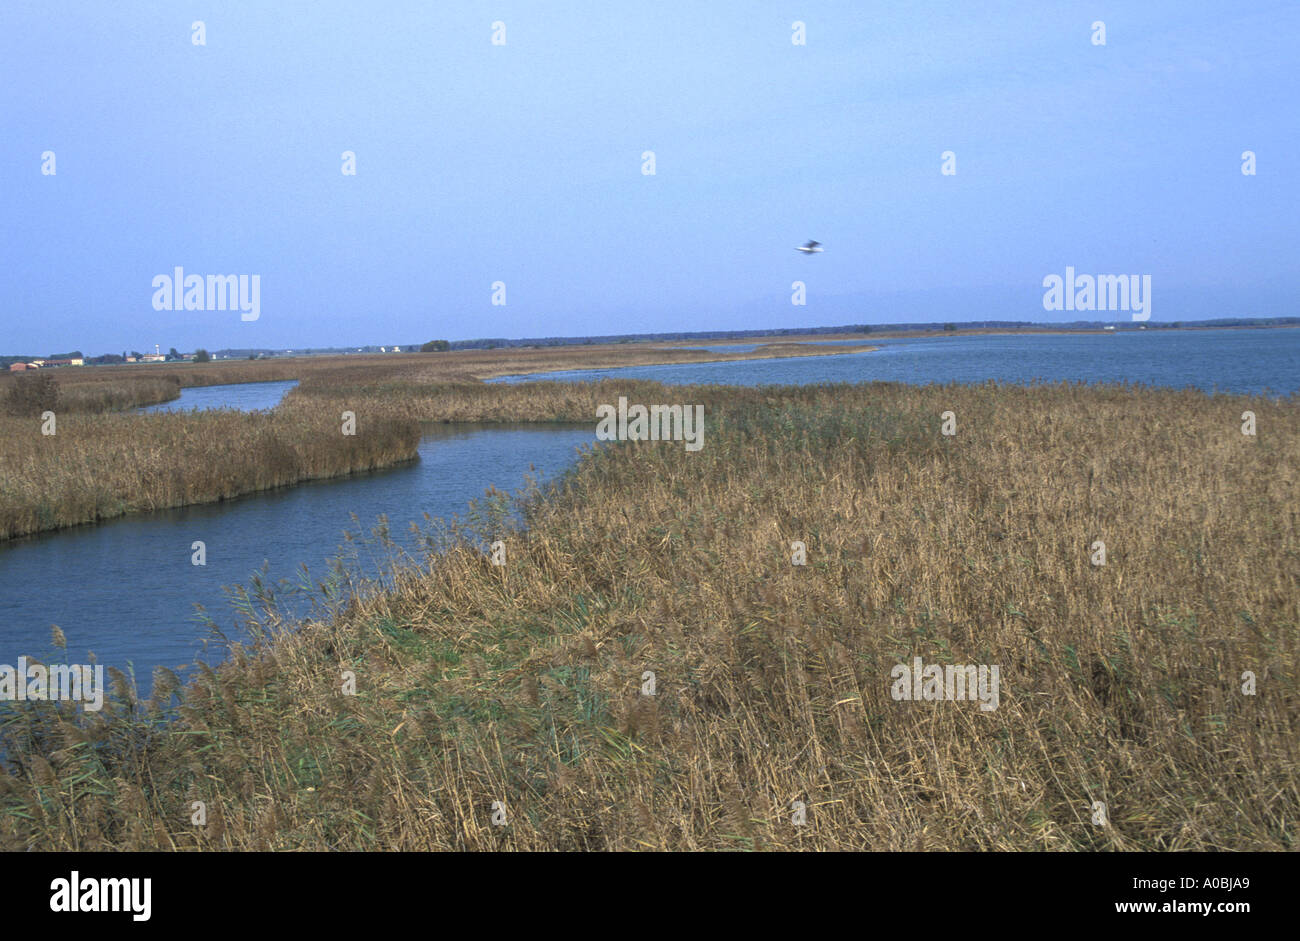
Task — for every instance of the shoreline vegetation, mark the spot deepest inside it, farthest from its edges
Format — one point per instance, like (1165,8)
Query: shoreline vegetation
(104,461)
(521,689)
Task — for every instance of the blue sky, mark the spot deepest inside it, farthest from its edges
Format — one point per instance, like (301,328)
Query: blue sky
(522,163)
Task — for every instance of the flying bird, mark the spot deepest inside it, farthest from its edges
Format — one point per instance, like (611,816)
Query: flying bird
(809,247)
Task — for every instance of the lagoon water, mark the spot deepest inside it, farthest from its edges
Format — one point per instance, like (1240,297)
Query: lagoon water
(1244,361)
(127,590)
(245,396)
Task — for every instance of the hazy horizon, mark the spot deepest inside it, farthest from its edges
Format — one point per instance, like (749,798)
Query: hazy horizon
(522,163)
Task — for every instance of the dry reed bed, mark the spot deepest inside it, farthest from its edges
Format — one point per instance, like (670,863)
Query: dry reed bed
(127,463)
(97,467)
(96,470)
(102,388)
(114,394)
(521,684)
(429,398)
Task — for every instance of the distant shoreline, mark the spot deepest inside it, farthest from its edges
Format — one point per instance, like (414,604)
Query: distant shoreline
(973,331)
(793,349)
(711,338)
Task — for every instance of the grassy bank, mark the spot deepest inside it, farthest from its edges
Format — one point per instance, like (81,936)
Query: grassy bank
(1120,683)
(103,388)
(104,461)
(100,466)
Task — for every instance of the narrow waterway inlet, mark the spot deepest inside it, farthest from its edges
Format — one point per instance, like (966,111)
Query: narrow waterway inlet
(127,589)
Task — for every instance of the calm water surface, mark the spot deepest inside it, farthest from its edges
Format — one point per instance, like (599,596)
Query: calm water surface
(1246,361)
(245,396)
(127,589)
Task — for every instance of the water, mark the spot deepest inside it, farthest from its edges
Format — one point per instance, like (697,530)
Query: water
(126,589)
(1245,361)
(245,396)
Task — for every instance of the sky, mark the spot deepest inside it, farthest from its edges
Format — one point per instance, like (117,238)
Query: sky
(522,163)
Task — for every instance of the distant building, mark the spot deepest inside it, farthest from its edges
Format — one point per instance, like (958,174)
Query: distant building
(153,358)
(22,367)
